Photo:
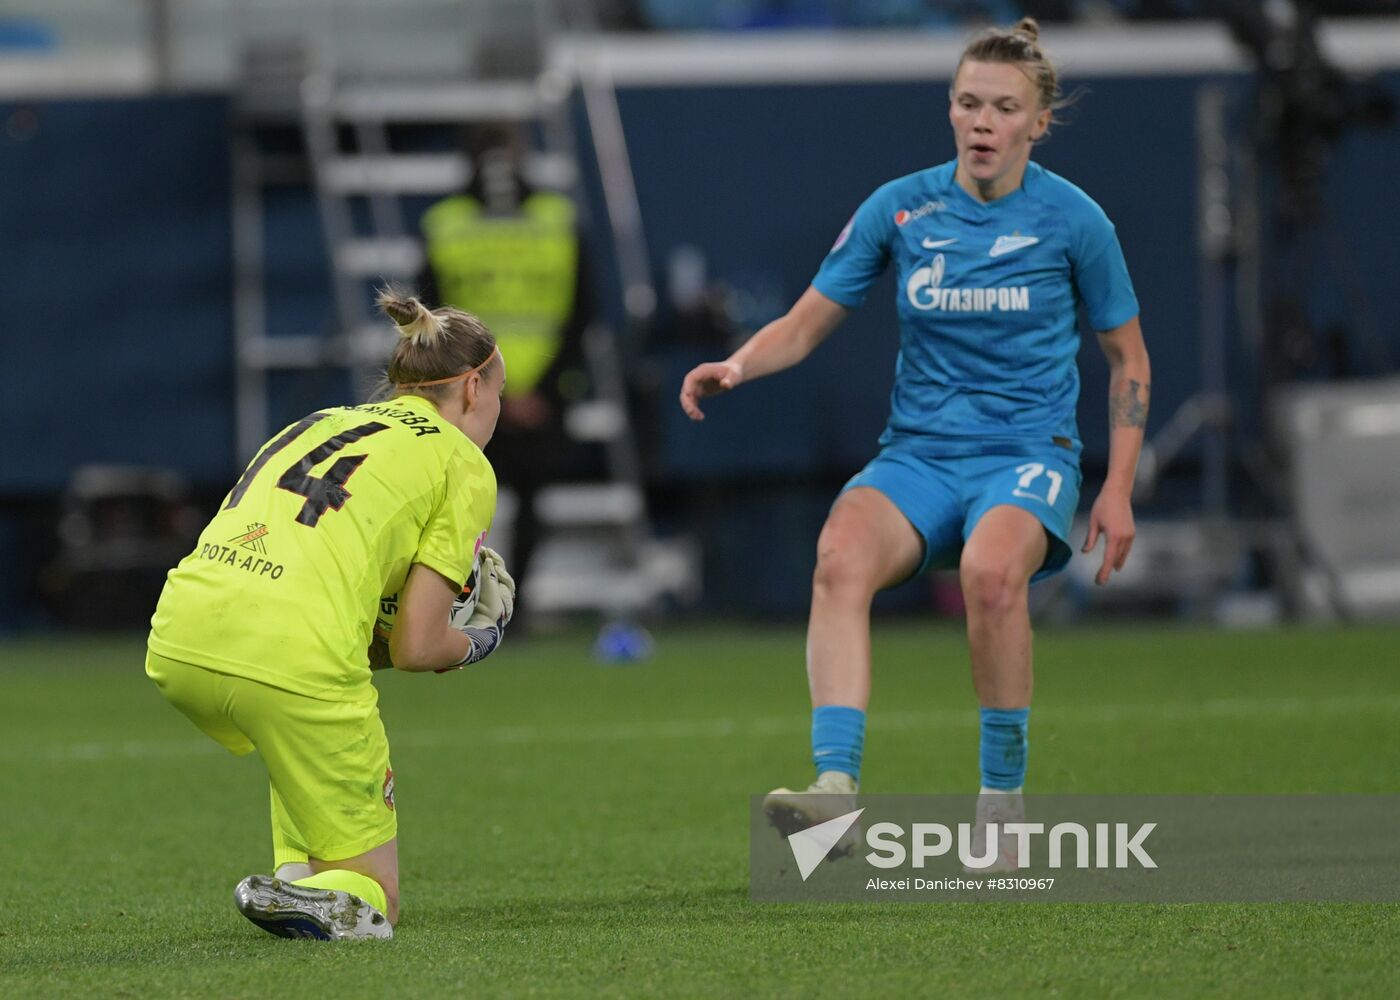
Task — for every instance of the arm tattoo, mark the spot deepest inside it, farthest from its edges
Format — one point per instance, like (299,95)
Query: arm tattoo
(1127,407)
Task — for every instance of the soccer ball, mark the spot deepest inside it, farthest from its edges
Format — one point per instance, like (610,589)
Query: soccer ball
(465,604)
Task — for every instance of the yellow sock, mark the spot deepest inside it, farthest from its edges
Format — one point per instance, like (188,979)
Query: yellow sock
(284,838)
(352,882)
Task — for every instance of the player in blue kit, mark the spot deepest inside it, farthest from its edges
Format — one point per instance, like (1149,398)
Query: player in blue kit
(979,463)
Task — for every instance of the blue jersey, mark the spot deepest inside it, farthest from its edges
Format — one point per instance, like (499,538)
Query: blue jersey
(987,305)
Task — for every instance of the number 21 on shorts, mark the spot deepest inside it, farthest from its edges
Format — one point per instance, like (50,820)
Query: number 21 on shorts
(1027,486)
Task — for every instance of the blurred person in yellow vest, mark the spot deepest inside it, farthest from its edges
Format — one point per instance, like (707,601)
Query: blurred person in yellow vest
(511,255)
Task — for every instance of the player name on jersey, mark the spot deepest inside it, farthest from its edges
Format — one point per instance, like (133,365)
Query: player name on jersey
(416,421)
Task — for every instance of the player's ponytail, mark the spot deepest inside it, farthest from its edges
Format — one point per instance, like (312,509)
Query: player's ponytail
(1020,45)
(436,347)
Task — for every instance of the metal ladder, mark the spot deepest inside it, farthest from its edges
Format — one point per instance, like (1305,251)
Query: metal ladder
(597,553)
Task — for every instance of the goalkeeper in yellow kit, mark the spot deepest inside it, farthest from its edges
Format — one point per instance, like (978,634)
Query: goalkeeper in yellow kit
(265,633)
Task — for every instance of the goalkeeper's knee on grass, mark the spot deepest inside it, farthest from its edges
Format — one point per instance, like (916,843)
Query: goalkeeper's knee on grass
(355,884)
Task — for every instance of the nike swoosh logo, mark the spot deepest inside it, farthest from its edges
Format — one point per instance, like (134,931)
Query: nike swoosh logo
(929,244)
(1008,244)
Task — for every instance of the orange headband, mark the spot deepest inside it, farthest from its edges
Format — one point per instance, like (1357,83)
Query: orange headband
(451,378)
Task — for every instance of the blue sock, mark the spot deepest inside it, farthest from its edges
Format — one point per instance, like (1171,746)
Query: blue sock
(838,736)
(1004,747)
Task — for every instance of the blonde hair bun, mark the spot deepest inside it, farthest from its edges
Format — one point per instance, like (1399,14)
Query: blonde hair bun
(415,321)
(436,347)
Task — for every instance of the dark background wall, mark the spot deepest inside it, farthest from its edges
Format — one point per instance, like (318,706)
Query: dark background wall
(116,277)
(115,270)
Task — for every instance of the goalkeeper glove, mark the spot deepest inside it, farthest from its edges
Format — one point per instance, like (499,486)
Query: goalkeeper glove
(495,592)
(483,615)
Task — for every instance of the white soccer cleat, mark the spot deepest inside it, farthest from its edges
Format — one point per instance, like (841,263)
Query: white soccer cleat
(294,911)
(833,794)
(999,808)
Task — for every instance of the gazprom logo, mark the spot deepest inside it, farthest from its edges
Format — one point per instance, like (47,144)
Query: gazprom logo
(926,292)
(935,276)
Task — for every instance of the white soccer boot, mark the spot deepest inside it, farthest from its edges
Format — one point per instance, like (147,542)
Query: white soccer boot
(293,911)
(997,807)
(833,794)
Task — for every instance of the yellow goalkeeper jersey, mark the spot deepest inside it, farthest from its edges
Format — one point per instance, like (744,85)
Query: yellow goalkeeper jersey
(285,582)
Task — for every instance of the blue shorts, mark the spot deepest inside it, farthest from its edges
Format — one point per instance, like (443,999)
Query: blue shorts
(944,498)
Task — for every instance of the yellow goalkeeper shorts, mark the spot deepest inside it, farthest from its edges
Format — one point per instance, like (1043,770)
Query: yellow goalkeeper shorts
(328,760)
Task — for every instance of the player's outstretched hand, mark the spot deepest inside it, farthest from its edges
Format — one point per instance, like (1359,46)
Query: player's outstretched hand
(1112,517)
(495,603)
(709,379)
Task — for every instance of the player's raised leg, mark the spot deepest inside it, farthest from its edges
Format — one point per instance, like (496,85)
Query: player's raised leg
(1004,551)
(866,544)
(1006,548)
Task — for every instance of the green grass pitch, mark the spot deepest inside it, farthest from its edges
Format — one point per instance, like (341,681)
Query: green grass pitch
(568,829)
